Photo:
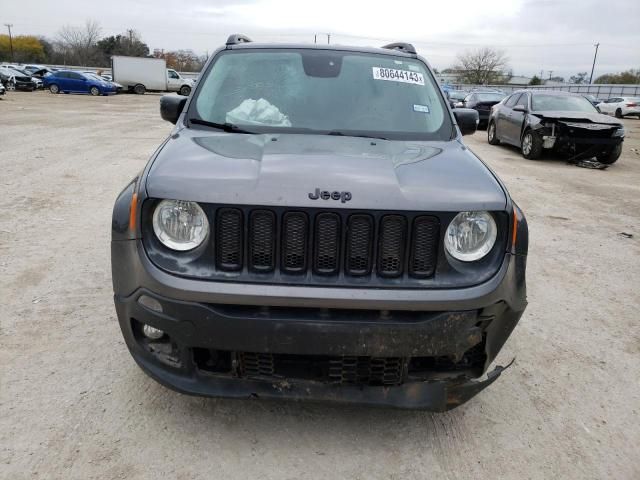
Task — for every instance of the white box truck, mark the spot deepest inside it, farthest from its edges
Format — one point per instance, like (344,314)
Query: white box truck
(139,74)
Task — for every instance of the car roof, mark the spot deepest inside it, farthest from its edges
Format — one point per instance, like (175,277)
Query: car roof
(312,46)
(555,93)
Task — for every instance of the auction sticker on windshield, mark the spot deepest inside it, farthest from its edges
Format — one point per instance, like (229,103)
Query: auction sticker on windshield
(393,75)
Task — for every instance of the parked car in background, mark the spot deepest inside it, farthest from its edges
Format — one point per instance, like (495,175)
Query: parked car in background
(482,103)
(102,78)
(16,78)
(36,80)
(38,70)
(621,106)
(456,97)
(69,81)
(562,121)
(592,98)
(138,75)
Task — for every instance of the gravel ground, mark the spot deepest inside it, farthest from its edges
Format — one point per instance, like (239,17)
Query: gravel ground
(73,405)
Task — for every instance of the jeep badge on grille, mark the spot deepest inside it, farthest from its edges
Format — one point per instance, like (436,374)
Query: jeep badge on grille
(326,195)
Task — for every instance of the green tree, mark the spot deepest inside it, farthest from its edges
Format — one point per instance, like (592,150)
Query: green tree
(535,80)
(129,43)
(26,48)
(578,78)
(627,77)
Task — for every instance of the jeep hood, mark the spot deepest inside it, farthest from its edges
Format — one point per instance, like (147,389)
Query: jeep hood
(282,169)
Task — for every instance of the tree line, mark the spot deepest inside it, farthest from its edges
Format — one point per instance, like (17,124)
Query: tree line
(86,46)
(489,66)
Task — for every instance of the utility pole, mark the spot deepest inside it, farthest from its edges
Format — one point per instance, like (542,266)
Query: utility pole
(328,38)
(550,72)
(594,63)
(9,25)
(541,74)
(315,38)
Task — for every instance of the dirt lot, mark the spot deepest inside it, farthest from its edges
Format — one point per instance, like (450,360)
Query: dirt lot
(73,405)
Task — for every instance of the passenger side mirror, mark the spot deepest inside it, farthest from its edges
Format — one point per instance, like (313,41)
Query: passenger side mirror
(520,108)
(171,107)
(467,120)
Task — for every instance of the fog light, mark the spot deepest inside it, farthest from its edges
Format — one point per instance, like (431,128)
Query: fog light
(152,332)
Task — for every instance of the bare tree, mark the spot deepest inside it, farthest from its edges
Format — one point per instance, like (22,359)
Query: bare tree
(482,66)
(79,43)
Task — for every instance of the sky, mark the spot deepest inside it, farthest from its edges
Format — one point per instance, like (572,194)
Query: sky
(536,35)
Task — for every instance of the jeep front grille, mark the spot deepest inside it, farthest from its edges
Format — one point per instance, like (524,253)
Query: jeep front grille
(229,238)
(340,245)
(312,246)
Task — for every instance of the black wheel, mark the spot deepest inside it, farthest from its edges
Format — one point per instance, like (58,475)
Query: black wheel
(139,89)
(618,113)
(53,88)
(531,145)
(492,136)
(610,157)
(95,91)
(185,90)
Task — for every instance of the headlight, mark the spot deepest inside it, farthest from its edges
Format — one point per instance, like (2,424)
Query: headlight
(619,132)
(180,225)
(470,236)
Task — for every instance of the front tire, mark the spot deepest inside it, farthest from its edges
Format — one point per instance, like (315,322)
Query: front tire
(618,113)
(53,88)
(185,90)
(610,157)
(531,146)
(95,91)
(492,136)
(139,89)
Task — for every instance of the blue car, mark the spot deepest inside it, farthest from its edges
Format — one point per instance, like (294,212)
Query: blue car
(68,81)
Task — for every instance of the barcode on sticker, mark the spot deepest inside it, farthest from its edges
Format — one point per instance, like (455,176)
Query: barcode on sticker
(393,75)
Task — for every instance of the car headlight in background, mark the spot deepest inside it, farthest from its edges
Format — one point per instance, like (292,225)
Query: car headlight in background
(470,236)
(619,132)
(180,225)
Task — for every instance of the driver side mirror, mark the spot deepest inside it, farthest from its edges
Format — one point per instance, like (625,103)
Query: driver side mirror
(171,107)
(467,120)
(520,108)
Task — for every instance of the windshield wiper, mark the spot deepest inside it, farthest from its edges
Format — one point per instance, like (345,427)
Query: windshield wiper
(338,133)
(227,127)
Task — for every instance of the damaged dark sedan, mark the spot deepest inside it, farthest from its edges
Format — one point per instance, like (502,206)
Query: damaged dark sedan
(566,123)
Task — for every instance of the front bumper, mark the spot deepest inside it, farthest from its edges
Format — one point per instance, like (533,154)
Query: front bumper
(342,322)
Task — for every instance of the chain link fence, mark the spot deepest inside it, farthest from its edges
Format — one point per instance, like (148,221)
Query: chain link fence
(599,91)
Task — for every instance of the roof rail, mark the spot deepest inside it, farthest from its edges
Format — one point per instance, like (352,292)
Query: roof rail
(403,47)
(237,38)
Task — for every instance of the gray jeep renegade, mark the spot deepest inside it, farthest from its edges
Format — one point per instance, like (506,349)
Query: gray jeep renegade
(315,228)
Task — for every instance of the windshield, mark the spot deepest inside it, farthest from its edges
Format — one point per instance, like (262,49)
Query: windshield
(541,102)
(94,77)
(13,72)
(322,91)
(458,95)
(489,97)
